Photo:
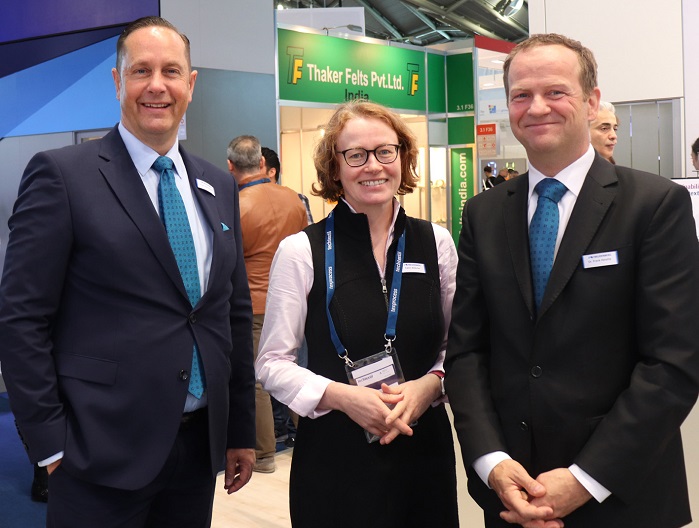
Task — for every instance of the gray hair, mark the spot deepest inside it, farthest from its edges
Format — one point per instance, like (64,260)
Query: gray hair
(607,106)
(245,153)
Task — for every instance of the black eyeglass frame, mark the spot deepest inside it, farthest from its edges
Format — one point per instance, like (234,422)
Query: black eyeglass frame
(367,151)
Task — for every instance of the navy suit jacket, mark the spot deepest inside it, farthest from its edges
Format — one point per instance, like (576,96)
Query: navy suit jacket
(607,371)
(95,324)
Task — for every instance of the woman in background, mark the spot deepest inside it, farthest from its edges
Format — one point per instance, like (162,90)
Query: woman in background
(371,290)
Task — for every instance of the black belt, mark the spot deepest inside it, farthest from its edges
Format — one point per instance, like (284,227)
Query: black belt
(191,418)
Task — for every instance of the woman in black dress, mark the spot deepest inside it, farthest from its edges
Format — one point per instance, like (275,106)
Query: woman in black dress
(371,290)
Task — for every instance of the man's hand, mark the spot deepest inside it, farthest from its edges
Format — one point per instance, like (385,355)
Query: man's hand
(239,464)
(564,493)
(516,489)
(53,466)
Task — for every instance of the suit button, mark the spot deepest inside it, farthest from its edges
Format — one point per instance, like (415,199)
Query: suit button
(193,318)
(536,371)
(524,426)
(184,375)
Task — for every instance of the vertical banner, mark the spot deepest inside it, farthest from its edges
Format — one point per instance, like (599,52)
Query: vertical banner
(461,186)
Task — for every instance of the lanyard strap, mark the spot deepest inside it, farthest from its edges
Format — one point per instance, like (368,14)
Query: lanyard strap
(254,182)
(331,279)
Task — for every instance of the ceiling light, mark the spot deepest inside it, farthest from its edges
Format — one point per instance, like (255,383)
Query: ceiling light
(513,8)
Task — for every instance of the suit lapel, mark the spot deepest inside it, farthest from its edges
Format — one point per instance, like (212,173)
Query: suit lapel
(515,218)
(596,196)
(207,204)
(121,175)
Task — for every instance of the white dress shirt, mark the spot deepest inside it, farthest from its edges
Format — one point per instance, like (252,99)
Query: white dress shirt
(143,158)
(291,279)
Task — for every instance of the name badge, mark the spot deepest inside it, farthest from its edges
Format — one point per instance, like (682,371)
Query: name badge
(598,260)
(206,186)
(413,267)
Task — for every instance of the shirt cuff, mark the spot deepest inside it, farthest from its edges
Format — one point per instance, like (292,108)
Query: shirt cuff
(306,401)
(50,460)
(485,464)
(599,492)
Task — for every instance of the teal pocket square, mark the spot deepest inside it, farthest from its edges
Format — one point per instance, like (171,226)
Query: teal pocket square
(225,227)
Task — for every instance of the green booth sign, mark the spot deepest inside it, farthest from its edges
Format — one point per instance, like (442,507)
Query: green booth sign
(321,69)
(461,186)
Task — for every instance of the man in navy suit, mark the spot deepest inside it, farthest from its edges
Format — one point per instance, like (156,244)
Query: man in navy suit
(568,403)
(97,330)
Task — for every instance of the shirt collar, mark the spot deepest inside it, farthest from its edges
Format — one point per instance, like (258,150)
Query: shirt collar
(573,176)
(143,156)
(396,210)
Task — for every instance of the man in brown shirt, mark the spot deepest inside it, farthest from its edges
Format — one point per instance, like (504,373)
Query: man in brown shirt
(268,214)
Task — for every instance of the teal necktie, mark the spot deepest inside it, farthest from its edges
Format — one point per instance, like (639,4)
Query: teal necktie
(174,216)
(543,231)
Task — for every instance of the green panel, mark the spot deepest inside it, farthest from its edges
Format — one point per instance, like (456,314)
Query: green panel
(436,79)
(460,83)
(461,186)
(322,69)
(461,130)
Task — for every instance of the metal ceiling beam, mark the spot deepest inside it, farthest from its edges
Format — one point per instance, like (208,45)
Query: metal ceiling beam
(426,20)
(453,20)
(382,19)
(512,23)
(455,5)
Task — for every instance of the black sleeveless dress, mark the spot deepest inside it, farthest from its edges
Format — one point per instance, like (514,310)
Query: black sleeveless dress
(337,478)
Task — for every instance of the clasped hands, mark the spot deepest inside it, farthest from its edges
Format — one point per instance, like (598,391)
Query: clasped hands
(536,503)
(388,412)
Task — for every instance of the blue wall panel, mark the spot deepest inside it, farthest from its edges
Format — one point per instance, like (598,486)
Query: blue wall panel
(72,92)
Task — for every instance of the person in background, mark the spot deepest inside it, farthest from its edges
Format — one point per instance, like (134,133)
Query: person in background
(488,177)
(125,315)
(695,155)
(603,131)
(268,214)
(284,420)
(274,172)
(573,353)
(384,309)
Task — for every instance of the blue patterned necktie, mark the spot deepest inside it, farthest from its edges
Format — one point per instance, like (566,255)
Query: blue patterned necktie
(543,231)
(174,216)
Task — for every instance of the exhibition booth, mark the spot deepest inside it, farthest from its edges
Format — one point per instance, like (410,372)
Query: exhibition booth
(441,94)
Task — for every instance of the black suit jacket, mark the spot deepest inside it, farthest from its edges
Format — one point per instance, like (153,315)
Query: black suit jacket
(95,324)
(608,370)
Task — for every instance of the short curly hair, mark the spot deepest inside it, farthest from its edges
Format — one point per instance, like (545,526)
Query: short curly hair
(327,160)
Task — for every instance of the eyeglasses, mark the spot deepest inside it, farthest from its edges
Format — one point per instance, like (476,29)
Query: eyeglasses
(356,157)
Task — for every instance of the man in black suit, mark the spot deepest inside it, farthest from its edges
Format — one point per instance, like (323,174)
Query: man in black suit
(568,398)
(101,333)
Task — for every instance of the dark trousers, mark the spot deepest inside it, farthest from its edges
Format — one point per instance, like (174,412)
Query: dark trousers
(181,496)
